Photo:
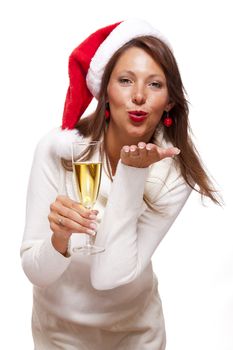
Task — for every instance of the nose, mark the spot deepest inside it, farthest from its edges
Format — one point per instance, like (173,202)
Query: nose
(138,96)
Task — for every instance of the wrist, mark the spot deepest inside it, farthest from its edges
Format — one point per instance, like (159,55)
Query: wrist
(61,245)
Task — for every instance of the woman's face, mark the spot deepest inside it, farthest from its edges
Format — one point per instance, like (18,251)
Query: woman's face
(137,95)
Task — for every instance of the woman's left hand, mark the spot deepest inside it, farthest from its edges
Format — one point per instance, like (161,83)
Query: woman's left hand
(143,155)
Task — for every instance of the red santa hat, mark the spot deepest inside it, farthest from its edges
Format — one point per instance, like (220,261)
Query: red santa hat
(87,63)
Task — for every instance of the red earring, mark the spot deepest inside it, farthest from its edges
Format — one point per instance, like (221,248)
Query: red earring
(167,121)
(107,111)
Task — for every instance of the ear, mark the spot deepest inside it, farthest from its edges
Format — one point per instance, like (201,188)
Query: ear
(169,106)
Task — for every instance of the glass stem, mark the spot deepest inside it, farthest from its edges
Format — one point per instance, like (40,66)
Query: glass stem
(89,239)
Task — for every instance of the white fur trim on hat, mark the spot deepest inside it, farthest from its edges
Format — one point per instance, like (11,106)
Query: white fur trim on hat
(62,141)
(123,33)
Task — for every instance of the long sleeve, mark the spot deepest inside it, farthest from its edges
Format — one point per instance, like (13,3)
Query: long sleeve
(131,231)
(41,262)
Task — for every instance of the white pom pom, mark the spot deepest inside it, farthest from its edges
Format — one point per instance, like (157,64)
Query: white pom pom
(62,142)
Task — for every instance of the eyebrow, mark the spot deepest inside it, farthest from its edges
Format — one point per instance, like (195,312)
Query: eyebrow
(149,77)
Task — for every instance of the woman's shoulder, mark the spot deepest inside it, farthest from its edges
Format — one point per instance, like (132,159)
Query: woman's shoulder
(57,142)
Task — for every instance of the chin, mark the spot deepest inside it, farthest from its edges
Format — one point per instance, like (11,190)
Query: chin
(137,135)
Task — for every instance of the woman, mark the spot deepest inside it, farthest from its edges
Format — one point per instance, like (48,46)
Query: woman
(110,300)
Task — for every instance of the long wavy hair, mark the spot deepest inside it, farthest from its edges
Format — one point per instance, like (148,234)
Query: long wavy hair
(179,134)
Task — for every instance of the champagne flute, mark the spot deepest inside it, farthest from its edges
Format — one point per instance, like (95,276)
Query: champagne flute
(87,167)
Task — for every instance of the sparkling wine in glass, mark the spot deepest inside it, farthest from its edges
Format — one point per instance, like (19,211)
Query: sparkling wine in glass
(87,167)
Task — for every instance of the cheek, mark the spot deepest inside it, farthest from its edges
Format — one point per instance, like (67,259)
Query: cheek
(117,96)
(158,102)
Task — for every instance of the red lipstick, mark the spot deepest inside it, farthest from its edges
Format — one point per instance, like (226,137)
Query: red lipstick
(137,116)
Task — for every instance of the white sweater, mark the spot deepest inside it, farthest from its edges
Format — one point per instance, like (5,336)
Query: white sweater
(102,289)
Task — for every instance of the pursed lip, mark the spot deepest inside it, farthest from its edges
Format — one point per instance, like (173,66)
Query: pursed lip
(137,113)
(137,116)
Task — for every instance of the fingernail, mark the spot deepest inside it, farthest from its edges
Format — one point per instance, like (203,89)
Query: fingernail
(176,150)
(92,217)
(93,225)
(91,232)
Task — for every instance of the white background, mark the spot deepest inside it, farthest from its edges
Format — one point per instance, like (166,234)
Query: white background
(194,263)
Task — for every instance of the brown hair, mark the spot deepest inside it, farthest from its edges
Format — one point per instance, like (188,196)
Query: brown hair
(178,134)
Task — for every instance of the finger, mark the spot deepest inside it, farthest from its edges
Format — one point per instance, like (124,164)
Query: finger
(134,152)
(54,218)
(151,146)
(125,151)
(153,152)
(61,212)
(168,152)
(69,203)
(64,232)
(142,149)
(141,145)
(70,225)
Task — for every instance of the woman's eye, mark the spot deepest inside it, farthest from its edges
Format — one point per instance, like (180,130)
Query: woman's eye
(124,81)
(156,84)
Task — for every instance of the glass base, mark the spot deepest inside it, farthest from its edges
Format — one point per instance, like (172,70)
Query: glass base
(88,249)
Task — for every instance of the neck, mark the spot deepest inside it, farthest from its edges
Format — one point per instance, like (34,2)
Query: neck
(113,150)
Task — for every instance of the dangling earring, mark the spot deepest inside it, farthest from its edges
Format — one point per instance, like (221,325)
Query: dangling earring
(107,111)
(167,121)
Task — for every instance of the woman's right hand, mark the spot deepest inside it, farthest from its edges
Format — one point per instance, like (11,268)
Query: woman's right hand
(66,217)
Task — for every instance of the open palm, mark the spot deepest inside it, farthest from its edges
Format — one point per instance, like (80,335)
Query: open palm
(143,155)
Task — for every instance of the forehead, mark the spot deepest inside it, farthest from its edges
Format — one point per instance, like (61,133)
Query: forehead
(137,59)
